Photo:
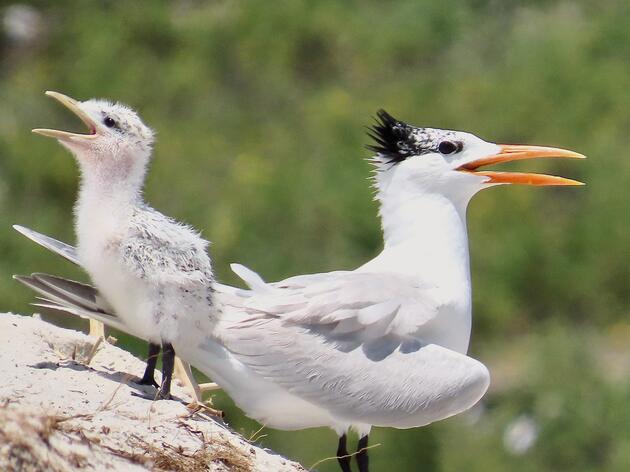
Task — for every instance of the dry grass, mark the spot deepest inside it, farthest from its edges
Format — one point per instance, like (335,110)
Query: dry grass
(167,457)
(170,458)
(52,443)
(26,446)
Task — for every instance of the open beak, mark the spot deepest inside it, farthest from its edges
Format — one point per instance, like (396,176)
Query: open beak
(515,152)
(75,107)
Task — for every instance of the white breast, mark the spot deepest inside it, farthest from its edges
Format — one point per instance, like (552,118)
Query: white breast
(100,227)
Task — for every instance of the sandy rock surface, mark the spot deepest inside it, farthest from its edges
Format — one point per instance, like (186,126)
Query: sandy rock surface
(65,406)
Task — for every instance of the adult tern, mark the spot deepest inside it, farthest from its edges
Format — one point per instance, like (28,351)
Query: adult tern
(382,345)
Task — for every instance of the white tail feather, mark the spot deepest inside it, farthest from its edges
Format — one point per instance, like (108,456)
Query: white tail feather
(251,278)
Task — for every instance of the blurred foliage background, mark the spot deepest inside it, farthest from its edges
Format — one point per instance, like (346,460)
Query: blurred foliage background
(261,108)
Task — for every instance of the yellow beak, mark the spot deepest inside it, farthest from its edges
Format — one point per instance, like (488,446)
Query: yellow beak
(75,107)
(516,152)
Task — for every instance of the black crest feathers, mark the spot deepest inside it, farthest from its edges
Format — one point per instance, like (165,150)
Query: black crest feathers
(394,139)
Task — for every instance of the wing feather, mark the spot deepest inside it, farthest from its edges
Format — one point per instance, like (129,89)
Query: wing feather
(351,343)
(344,301)
(58,247)
(68,296)
(388,381)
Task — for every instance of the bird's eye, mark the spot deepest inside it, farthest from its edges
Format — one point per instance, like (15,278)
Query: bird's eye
(109,122)
(449,147)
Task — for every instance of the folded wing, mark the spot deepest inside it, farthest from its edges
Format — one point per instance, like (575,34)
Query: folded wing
(351,342)
(67,296)
(370,305)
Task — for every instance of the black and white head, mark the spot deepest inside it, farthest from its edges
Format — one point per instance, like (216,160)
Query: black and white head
(428,160)
(117,145)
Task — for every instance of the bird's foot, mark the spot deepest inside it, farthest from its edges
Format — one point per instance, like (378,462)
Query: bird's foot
(148,380)
(163,393)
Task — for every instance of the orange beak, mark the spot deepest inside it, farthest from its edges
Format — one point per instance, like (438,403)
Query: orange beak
(516,152)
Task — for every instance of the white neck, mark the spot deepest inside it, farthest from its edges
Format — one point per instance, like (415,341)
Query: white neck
(425,237)
(113,179)
(104,206)
(429,234)
(100,188)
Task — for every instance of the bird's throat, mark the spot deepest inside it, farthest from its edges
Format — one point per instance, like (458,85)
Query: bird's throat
(426,237)
(103,209)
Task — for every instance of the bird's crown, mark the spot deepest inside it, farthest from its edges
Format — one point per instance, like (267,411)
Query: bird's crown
(397,140)
(120,118)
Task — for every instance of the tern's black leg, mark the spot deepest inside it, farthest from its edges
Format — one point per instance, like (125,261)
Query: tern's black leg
(342,455)
(149,378)
(362,454)
(168,364)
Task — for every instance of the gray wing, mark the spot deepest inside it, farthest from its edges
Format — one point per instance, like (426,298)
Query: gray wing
(64,295)
(351,342)
(58,247)
(391,381)
(369,304)
(67,296)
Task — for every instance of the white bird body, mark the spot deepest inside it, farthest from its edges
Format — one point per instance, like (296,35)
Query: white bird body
(407,312)
(152,270)
(144,283)
(288,378)
(385,344)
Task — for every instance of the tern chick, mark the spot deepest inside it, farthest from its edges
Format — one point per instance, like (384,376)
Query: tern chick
(153,271)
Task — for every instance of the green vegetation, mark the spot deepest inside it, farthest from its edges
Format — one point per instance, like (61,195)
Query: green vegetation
(260,109)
